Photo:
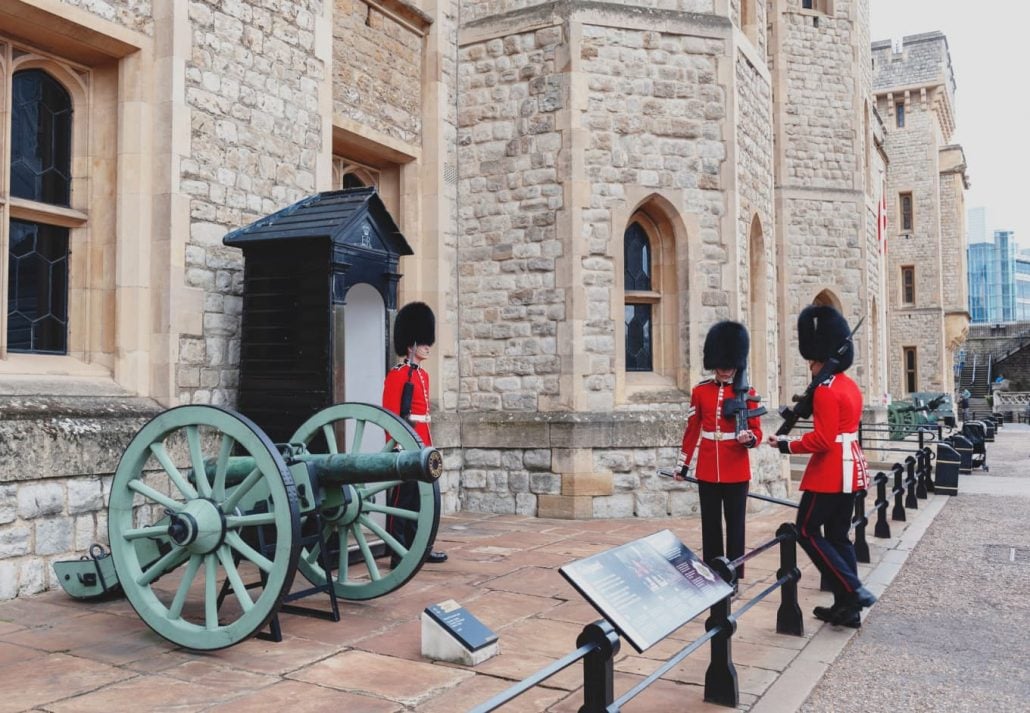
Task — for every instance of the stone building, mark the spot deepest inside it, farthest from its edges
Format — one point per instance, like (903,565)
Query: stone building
(586,187)
(926,254)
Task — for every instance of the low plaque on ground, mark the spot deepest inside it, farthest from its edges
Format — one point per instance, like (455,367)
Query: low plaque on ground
(647,588)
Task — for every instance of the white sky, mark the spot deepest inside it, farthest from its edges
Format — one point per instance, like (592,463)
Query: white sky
(987,43)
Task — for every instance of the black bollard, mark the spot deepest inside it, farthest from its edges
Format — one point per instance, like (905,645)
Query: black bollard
(598,666)
(921,473)
(948,464)
(929,456)
(898,513)
(883,528)
(721,685)
(788,616)
(860,522)
(910,483)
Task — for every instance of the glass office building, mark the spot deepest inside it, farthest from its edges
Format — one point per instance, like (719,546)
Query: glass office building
(992,279)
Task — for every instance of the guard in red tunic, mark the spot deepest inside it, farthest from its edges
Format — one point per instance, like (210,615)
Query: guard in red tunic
(406,393)
(721,462)
(837,467)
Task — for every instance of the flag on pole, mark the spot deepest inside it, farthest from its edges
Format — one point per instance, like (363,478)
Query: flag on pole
(881,218)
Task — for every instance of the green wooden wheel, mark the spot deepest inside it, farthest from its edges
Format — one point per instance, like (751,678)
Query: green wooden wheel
(162,493)
(348,512)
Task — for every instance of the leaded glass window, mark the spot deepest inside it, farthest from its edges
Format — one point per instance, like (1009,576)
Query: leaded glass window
(639,299)
(37,291)
(638,258)
(41,131)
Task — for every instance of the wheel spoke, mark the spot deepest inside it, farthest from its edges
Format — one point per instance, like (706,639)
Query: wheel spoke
(158,568)
(175,611)
(140,532)
(238,587)
(248,552)
(218,491)
(160,498)
(385,536)
(369,490)
(330,438)
(359,436)
(261,518)
(242,489)
(390,444)
(210,593)
(162,457)
(197,458)
(366,552)
(388,510)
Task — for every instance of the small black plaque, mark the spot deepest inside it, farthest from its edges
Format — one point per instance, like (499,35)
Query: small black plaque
(462,624)
(647,588)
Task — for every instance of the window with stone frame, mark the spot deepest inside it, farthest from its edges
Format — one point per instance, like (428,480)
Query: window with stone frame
(641,299)
(824,7)
(39,223)
(910,368)
(899,115)
(907,218)
(908,284)
(350,174)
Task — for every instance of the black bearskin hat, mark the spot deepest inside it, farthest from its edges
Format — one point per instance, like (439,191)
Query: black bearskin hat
(726,346)
(415,324)
(821,332)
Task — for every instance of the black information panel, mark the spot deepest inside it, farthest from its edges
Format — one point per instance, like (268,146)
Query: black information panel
(463,625)
(648,588)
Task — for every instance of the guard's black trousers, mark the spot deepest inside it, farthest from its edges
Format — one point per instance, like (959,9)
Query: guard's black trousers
(718,499)
(405,496)
(824,522)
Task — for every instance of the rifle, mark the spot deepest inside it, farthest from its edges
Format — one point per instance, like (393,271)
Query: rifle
(737,408)
(804,402)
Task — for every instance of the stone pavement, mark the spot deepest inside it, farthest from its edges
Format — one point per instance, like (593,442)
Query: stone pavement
(58,654)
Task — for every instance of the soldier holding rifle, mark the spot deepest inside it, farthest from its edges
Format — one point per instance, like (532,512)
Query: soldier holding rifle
(723,467)
(838,466)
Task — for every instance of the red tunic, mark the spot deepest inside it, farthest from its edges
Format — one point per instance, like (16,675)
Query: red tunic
(394,385)
(838,464)
(721,459)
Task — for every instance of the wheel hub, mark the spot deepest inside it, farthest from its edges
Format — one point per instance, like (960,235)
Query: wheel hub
(199,527)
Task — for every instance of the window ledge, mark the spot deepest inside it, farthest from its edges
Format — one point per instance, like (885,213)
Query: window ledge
(24,209)
(649,388)
(39,375)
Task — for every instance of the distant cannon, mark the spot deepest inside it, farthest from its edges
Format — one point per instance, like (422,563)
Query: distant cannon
(204,506)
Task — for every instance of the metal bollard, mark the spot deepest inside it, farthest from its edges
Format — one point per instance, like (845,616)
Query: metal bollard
(788,616)
(921,474)
(910,483)
(598,666)
(860,522)
(883,528)
(721,685)
(898,513)
(928,457)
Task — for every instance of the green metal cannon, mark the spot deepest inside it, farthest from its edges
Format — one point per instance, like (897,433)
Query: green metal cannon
(906,417)
(209,521)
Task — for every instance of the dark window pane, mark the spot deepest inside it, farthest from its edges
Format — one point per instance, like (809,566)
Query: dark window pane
(41,138)
(352,180)
(37,293)
(638,338)
(899,113)
(638,258)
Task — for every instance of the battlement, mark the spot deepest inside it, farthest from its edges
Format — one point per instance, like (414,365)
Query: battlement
(918,60)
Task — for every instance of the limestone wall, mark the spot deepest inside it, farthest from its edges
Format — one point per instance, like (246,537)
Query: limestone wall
(477,9)
(135,14)
(251,87)
(377,71)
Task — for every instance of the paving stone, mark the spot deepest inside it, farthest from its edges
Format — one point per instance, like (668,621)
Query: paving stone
(53,678)
(142,694)
(298,697)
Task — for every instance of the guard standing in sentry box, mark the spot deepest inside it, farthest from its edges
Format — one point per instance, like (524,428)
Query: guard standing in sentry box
(837,468)
(721,462)
(406,393)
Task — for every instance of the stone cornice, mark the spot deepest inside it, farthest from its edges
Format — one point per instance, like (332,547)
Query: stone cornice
(404,13)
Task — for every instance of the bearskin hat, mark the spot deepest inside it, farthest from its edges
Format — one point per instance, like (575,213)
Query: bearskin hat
(821,332)
(415,324)
(726,346)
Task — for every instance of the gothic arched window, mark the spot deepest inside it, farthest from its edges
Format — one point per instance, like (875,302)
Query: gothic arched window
(640,299)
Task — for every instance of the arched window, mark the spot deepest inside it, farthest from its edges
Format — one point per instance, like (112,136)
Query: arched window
(37,259)
(348,174)
(640,298)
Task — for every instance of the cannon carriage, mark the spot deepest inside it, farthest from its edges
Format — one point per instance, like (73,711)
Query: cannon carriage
(209,521)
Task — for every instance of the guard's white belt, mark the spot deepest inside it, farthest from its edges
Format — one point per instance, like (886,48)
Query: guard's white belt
(713,436)
(848,441)
(419,418)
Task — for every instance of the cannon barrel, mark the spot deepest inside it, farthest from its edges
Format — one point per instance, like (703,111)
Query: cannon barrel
(425,465)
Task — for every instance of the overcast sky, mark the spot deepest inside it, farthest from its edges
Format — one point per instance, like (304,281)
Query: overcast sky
(987,43)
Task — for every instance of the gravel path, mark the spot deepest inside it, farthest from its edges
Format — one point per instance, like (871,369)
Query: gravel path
(952,631)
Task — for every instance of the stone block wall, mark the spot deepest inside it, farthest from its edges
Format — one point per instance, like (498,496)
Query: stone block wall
(57,457)
(472,10)
(137,15)
(251,87)
(377,71)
